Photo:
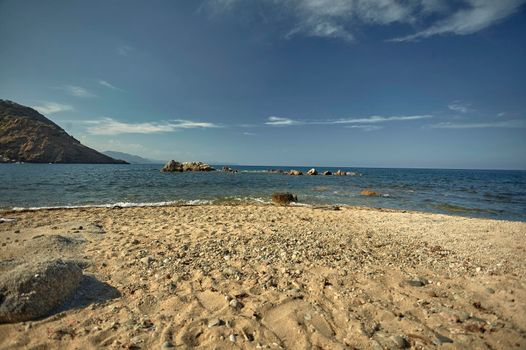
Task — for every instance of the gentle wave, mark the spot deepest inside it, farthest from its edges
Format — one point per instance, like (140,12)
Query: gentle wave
(191,202)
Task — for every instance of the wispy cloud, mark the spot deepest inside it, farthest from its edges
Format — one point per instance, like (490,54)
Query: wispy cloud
(109,126)
(107,84)
(77,91)
(279,121)
(124,50)
(341,18)
(459,106)
(474,16)
(374,119)
(365,127)
(53,107)
(517,123)
(379,119)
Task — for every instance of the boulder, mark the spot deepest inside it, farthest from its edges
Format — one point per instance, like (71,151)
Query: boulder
(283,198)
(340,173)
(327,173)
(295,172)
(369,193)
(196,166)
(32,290)
(312,172)
(228,169)
(172,166)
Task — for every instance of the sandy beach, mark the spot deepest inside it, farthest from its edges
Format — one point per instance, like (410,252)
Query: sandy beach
(294,277)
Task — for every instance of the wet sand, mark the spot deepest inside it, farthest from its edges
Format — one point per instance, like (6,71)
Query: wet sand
(294,277)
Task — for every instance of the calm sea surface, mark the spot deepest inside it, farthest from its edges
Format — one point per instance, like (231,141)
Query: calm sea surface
(477,193)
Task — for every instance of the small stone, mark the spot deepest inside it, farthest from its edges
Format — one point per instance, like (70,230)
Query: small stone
(400,342)
(490,290)
(214,322)
(146,260)
(418,282)
(441,339)
(167,345)
(232,338)
(234,303)
(135,241)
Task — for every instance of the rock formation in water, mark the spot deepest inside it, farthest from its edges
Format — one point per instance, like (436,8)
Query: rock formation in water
(28,136)
(176,167)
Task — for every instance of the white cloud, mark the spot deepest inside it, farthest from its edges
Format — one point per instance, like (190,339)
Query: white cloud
(109,126)
(458,106)
(107,84)
(78,91)
(53,107)
(375,119)
(365,127)
(279,121)
(341,18)
(482,125)
(475,16)
(379,119)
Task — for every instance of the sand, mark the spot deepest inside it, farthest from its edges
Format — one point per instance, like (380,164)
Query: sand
(274,277)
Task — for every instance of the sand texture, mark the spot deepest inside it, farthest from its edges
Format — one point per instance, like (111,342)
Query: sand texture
(273,277)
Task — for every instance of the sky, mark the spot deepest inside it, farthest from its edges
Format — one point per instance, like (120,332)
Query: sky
(376,83)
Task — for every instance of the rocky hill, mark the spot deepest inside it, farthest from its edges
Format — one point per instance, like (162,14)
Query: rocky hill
(28,136)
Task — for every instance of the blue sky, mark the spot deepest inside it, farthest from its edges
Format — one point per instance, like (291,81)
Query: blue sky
(380,83)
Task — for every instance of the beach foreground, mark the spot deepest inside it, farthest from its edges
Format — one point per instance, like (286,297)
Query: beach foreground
(296,277)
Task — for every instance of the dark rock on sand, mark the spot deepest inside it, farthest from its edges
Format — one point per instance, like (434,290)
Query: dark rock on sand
(32,290)
(284,198)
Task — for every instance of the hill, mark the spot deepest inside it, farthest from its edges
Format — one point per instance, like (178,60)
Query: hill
(131,158)
(28,136)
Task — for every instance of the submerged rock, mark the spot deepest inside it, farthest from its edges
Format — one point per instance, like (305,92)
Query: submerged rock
(369,193)
(327,173)
(295,172)
(33,290)
(340,173)
(284,198)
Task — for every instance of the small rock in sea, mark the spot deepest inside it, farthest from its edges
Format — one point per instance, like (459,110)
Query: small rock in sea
(214,322)
(441,339)
(283,198)
(295,172)
(312,172)
(340,173)
(232,338)
(327,173)
(400,342)
(167,345)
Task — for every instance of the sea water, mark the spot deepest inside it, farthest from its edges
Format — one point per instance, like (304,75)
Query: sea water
(476,193)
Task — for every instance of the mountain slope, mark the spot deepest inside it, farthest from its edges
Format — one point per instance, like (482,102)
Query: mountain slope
(131,158)
(28,136)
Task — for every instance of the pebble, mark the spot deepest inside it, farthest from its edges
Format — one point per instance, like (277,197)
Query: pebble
(232,338)
(441,339)
(147,260)
(401,342)
(234,303)
(167,345)
(214,322)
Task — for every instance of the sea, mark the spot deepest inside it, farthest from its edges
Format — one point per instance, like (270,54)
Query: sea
(496,194)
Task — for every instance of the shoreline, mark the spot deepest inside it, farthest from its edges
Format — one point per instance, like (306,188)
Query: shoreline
(253,276)
(258,203)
